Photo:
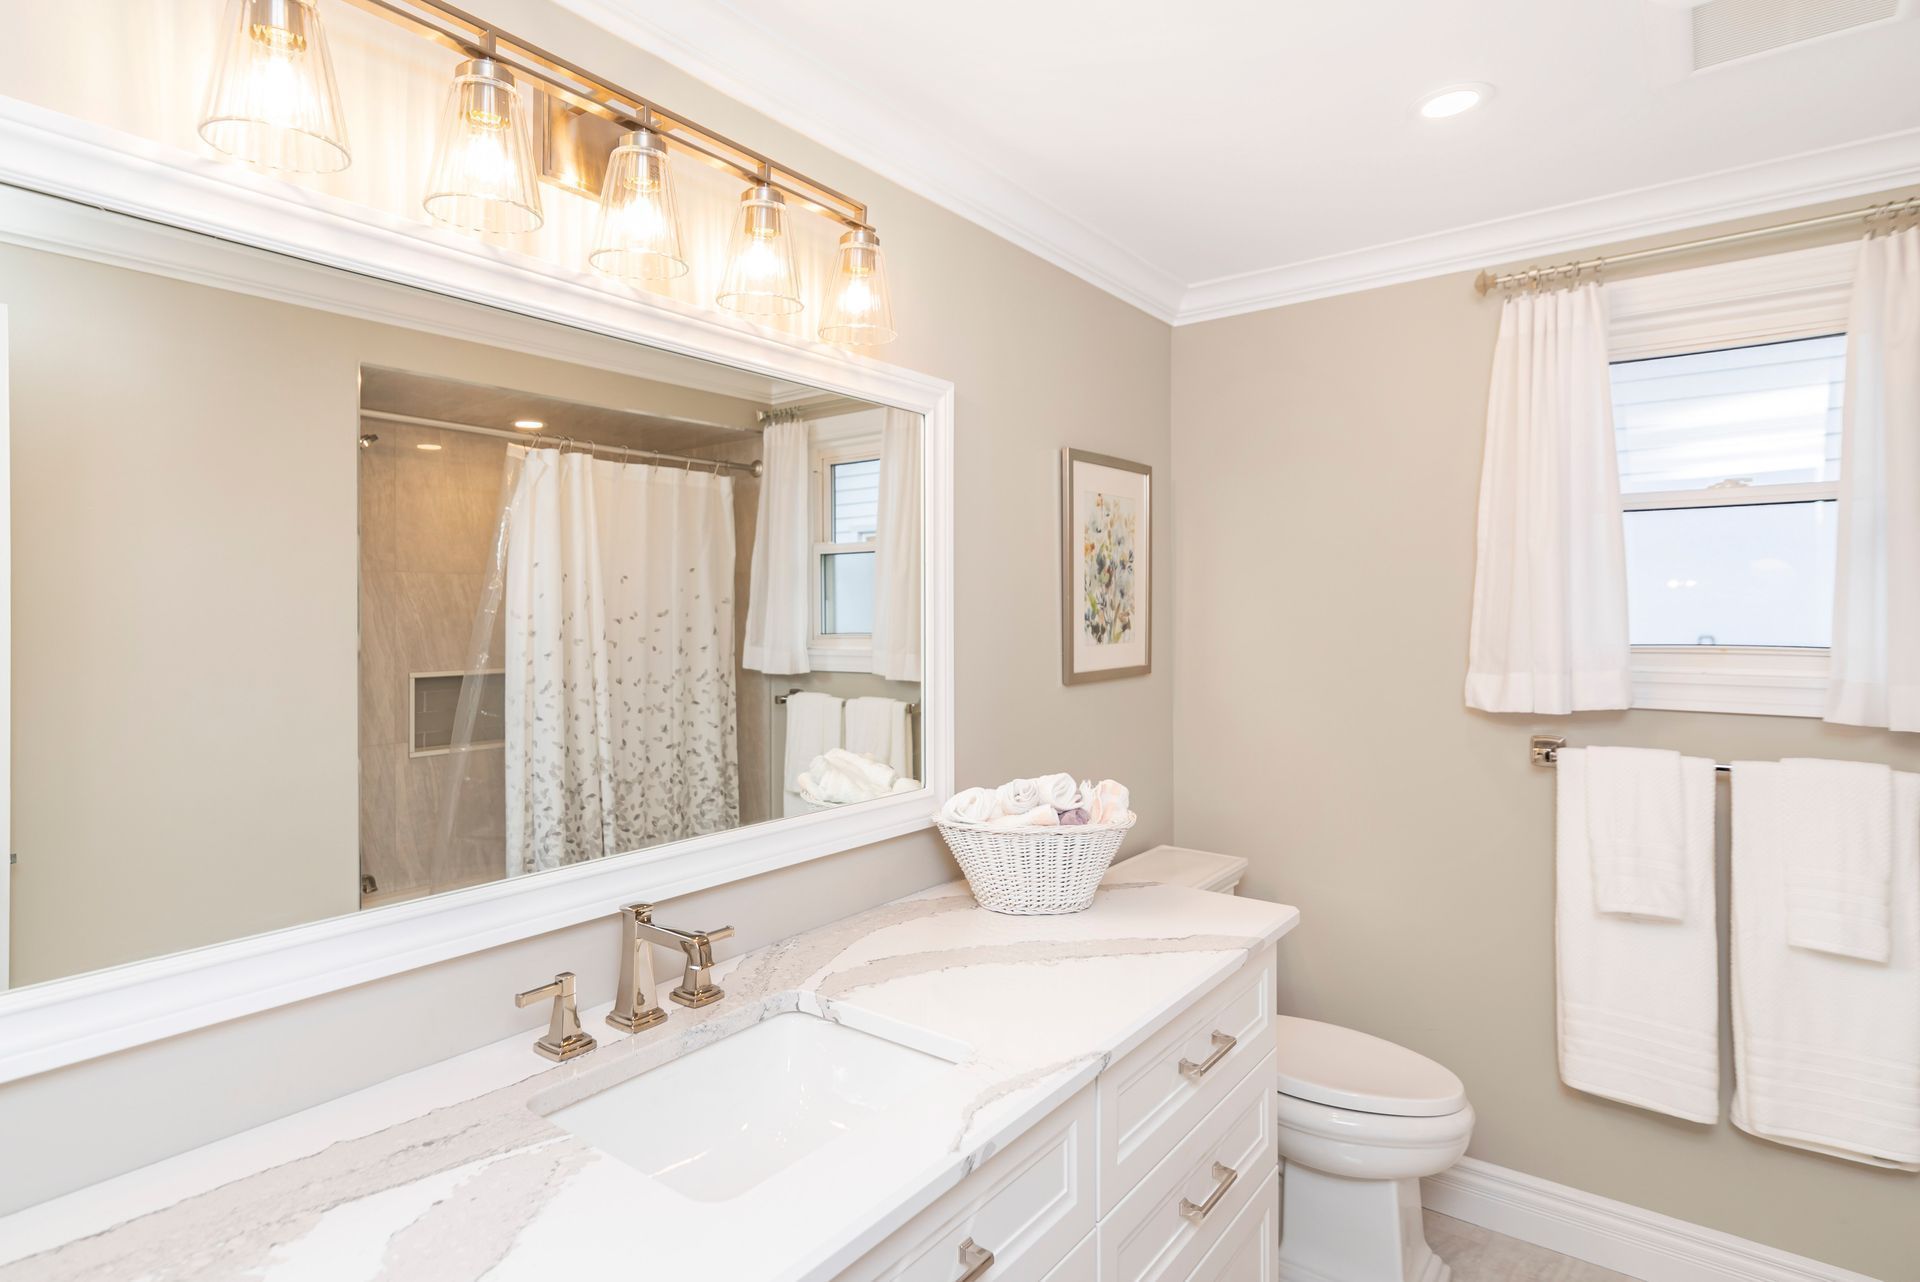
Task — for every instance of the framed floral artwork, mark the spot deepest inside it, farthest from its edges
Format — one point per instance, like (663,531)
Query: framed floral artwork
(1106,580)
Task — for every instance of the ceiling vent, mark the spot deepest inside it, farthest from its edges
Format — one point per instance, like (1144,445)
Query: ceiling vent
(1726,30)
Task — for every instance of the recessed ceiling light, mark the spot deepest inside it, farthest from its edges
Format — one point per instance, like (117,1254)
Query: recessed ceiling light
(426,445)
(529,424)
(1453,100)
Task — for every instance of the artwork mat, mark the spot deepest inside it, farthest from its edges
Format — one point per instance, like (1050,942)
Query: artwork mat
(1083,473)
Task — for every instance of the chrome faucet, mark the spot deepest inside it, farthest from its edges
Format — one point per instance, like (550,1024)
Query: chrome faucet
(638,1003)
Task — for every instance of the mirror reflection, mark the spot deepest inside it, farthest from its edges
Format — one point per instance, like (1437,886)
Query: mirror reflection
(315,613)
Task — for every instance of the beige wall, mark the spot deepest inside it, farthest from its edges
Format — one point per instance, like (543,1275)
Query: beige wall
(1041,360)
(1327,457)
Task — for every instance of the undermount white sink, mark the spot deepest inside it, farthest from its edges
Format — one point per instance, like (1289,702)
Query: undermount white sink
(721,1120)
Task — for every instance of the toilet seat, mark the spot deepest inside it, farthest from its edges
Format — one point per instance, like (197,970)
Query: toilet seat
(1347,1069)
(1370,1146)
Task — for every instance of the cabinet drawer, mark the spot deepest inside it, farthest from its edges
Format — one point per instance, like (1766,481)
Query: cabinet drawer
(1163,1229)
(1081,1265)
(1148,1102)
(1249,1251)
(1028,1206)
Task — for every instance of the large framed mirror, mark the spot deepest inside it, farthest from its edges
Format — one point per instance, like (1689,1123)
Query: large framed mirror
(355,625)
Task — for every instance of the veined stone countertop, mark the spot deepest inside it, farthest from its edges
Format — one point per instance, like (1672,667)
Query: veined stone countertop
(455,1173)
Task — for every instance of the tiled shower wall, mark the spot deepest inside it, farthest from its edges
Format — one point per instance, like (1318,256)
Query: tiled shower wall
(426,529)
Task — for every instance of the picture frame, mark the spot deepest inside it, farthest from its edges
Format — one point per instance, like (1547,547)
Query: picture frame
(1106,568)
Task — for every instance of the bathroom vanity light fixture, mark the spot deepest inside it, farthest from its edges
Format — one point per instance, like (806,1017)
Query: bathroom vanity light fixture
(761,280)
(860,312)
(637,236)
(272,101)
(482,176)
(1453,100)
(517,115)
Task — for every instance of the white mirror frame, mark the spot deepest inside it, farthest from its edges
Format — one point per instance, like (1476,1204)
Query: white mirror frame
(185,199)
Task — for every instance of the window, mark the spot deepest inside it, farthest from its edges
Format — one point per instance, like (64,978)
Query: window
(1728,468)
(846,510)
(1727,395)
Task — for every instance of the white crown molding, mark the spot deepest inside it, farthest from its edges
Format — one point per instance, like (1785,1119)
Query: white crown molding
(1835,173)
(716,45)
(1614,1235)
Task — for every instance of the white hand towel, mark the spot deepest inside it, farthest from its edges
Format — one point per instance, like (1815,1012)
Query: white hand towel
(1018,796)
(879,728)
(1111,801)
(971,806)
(840,778)
(1041,816)
(1059,790)
(1826,1048)
(1842,856)
(813,728)
(1638,999)
(1636,832)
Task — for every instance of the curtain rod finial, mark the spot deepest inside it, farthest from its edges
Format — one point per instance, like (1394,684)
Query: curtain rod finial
(1482,283)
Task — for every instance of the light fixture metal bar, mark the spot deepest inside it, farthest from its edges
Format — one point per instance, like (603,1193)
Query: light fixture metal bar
(1487,281)
(475,37)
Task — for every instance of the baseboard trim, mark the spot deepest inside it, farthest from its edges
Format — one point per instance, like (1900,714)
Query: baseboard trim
(1627,1239)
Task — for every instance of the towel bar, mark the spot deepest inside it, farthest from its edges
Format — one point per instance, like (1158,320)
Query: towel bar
(913,709)
(1544,749)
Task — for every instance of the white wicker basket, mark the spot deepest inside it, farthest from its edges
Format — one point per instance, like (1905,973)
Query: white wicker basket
(1031,872)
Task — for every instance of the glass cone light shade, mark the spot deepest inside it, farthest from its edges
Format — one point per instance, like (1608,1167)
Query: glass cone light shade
(861,310)
(482,177)
(638,235)
(760,277)
(273,101)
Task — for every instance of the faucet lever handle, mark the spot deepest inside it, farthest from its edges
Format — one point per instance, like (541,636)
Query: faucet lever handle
(564,1040)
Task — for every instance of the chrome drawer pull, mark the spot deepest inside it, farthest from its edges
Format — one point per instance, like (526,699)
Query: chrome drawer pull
(1223,1044)
(1226,1175)
(975,1259)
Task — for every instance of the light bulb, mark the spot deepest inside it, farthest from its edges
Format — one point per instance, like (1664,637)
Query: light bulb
(273,101)
(861,310)
(482,177)
(637,236)
(761,280)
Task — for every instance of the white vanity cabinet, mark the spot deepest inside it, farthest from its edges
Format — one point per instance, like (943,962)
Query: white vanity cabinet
(1163,1170)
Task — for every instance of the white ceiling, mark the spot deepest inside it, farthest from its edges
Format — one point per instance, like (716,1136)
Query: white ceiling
(1206,158)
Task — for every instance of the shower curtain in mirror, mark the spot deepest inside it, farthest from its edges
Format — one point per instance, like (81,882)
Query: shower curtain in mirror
(617,614)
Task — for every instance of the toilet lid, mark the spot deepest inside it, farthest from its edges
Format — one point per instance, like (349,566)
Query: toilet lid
(1341,1067)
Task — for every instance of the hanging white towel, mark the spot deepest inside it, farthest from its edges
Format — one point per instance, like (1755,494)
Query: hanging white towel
(881,729)
(1638,999)
(1826,1048)
(1637,830)
(813,729)
(1841,857)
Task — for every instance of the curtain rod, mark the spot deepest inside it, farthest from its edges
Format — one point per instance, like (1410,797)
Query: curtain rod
(533,439)
(1488,281)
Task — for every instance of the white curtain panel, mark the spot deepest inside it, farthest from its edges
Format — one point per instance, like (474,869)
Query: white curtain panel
(619,692)
(1550,586)
(1875,679)
(779,621)
(897,551)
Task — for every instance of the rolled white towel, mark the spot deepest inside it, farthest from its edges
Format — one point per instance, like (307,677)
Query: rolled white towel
(838,778)
(1018,796)
(1111,802)
(972,806)
(1059,790)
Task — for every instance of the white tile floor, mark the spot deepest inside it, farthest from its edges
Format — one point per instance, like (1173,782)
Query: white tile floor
(1481,1255)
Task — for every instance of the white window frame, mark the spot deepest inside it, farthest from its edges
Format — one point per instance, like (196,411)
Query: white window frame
(848,438)
(1802,294)
(408,274)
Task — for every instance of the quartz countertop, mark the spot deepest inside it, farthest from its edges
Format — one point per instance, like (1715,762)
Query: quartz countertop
(454,1172)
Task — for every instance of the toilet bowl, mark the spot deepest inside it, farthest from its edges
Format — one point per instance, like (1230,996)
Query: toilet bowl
(1361,1122)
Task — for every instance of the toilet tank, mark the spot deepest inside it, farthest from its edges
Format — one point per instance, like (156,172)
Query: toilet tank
(1180,866)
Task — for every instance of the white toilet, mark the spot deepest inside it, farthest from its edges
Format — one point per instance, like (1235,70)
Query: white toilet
(1361,1121)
